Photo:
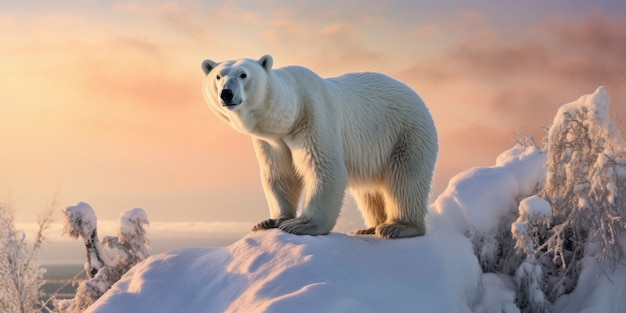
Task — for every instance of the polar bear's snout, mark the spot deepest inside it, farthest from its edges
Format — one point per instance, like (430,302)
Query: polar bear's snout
(227,96)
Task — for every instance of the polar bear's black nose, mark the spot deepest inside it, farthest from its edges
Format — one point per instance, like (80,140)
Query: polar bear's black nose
(227,95)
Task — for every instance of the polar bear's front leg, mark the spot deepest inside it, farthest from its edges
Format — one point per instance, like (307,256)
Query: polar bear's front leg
(280,182)
(325,179)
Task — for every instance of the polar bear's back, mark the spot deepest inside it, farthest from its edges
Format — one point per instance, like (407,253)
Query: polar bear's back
(375,94)
(372,112)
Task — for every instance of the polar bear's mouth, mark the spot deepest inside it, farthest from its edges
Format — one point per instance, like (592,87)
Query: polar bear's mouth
(230,104)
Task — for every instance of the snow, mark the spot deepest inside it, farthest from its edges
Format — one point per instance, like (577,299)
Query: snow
(130,220)
(272,271)
(596,291)
(597,106)
(536,209)
(498,294)
(80,220)
(477,198)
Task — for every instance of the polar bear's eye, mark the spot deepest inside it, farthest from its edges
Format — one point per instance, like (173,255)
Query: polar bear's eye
(243,75)
(218,77)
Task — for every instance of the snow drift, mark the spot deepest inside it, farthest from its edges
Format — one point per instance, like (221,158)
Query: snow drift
(273,271)
(468,261)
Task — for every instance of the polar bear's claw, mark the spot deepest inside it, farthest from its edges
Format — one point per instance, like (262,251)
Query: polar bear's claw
(396,230)
(268,224)
(366,231)
(299,226)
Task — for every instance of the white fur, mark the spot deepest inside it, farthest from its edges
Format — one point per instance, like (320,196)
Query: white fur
(362,131)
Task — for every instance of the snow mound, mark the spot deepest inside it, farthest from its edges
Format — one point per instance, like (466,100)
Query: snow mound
(476,199)
(272,271)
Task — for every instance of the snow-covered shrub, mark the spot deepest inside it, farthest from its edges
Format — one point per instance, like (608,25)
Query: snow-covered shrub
(21,274)
(586,186)
(534,218)
(520,174)
(131,241)
(127,249)
(81,221)
(495,249)
(579,202)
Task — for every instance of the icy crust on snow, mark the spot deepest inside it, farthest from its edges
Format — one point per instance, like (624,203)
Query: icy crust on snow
(272,271)
(477,198)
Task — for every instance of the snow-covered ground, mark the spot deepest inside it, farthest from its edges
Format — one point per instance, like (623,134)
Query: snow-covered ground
(272,271)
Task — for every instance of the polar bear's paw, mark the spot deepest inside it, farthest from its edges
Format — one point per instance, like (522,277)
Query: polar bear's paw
(268,224)
(302,226)
(366,231)
(397,230)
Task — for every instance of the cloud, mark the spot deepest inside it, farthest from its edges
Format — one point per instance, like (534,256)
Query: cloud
(489,55)
(467,18)
(143,9)
(347,46)
(425,31)
(523,77)
(285,29)
(596,34)
(488,84)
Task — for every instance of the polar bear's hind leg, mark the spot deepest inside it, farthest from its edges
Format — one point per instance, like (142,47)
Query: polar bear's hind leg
(372,206)
(408,181)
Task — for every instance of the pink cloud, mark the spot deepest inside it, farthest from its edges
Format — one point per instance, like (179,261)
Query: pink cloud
(497,83)
(425,31)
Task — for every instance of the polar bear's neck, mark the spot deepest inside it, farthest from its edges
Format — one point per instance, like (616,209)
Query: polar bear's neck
(277,115)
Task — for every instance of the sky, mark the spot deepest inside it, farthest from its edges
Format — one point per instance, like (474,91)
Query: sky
(101,101)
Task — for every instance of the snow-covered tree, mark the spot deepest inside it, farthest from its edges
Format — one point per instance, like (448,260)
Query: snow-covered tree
(21,274)
(127,249)
(578,211)
(586,186)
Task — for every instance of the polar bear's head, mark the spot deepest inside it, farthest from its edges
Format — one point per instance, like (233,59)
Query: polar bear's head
(236,85)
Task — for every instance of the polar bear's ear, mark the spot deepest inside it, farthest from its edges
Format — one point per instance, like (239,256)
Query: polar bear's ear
(207,66)
(266,62)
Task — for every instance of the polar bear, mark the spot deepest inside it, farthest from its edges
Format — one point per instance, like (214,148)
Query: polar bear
(365,132)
